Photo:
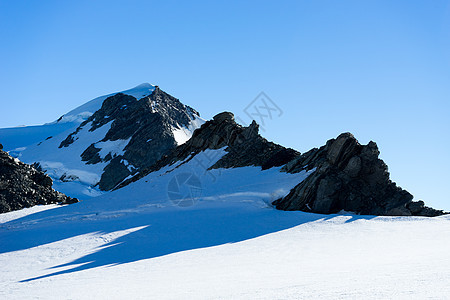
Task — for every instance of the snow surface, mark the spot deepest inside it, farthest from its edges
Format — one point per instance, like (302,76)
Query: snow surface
(183,133)
(218,239)
(19,137)
(115,148)
(67,160)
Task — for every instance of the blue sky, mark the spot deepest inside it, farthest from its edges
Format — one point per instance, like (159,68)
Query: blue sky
(379,69)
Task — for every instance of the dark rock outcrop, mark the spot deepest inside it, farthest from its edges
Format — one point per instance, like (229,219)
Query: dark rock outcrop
(244,145)
(21,186)
(348,176)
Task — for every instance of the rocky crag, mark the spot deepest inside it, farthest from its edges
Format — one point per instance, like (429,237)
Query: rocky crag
(351,177)
(22,186)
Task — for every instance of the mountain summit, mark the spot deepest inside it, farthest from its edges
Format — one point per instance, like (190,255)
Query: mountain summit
(119,135)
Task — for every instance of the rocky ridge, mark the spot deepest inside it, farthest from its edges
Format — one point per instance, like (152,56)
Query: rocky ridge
(348,176)
(22,186)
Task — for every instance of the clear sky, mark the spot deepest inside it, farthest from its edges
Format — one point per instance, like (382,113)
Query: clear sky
(379,69)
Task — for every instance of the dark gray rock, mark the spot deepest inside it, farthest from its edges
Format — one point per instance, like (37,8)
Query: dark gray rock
(90,155)
(348,176)
(416,207)
(21,186)
(114,173)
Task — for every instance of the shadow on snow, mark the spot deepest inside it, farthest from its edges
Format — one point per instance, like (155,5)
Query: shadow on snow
(161,232)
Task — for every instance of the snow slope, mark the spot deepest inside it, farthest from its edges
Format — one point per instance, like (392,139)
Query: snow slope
(67,161)
(18,137)
(186,233)
(84,111)
(183,133)
(70,174)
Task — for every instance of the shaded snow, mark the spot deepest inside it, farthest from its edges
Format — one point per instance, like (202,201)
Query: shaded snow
(18,137)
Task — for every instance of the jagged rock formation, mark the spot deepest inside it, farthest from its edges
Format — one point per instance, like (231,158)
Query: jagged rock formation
(348,176)
(145,127)
(244,145)
(22,186)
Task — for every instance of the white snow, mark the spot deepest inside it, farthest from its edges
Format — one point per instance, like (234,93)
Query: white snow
(23,136)
(229,243)
(115,148)
(67,160)
(182,133)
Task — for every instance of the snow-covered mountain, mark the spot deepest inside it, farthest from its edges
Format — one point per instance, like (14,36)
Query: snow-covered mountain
(109,138)
(118,139)
(188,213)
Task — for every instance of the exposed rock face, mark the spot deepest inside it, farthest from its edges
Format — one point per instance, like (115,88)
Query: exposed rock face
(23,186)
(348,176)
(244,145)
(144,126)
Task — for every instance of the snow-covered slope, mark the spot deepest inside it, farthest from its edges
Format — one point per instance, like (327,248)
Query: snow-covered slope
(86,110)
(102,142)
(20,137)
(188,232)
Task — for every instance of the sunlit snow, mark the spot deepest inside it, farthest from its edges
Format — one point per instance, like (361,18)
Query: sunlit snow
(182,133)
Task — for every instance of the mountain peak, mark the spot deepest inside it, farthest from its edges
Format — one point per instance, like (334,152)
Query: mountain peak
(144,85)
(120,134)
(83,112)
